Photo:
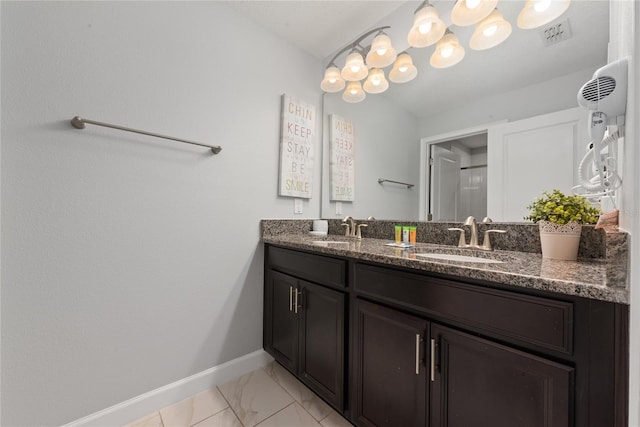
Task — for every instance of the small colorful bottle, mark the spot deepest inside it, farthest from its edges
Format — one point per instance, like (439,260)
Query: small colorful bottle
(398,230)
(413,230)
(405,234)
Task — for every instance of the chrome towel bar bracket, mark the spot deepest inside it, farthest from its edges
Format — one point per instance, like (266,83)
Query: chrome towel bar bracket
(381,180)
(79,123)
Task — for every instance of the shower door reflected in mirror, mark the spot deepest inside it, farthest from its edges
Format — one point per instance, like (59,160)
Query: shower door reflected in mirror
(458,179)
(445,183)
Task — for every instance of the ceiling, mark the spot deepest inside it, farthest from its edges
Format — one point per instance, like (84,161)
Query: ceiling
(322,28)
(317,27)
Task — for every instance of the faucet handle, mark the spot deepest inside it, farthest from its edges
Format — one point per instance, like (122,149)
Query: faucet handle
(347,231)
(461,241)
(359,235)
(487,220)
(486,243)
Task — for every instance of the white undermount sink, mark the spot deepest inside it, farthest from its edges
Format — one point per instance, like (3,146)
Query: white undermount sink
(329,242)
(459,258)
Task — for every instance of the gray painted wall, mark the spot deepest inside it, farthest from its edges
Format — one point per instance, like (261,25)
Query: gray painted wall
(387,146)
(553,95)
(131,262)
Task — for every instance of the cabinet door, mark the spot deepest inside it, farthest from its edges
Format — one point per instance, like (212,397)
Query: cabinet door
(322,341)
(481,383)
(281,324)
(389,381)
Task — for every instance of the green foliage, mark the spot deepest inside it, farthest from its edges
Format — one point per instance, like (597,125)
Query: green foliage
(560,209)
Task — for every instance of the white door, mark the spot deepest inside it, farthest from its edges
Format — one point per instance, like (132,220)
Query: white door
(445,179)
(530,156)
(473,192)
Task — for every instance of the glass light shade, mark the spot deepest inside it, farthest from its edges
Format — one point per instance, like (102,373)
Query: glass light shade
(403,69)
(333,81)
(536,13)
(492,31)
(469,12)
(376,82)
(382,54)
(427,28)
(354,93)
(448,52)
(354,69)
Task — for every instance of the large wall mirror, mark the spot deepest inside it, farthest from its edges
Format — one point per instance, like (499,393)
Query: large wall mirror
(449,113)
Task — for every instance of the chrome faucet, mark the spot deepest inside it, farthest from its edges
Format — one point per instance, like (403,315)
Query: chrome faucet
(351,228)
(473,241)
(350,224)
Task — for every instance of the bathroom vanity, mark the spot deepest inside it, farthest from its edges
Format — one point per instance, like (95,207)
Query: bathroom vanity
(390,338)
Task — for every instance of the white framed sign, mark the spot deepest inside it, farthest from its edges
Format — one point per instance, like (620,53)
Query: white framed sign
(342,160)
(297,140)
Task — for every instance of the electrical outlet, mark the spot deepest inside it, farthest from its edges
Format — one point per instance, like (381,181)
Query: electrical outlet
(338,208)
(297,206)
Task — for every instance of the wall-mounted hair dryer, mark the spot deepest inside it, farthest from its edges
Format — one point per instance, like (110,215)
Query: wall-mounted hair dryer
(605,96)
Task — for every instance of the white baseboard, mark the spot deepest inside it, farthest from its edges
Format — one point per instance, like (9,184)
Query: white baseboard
(147,403)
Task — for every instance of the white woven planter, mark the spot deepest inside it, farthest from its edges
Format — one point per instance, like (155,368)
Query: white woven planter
(560,241)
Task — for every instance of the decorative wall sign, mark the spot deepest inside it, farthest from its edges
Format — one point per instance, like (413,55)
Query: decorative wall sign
(342,162)
(296,148)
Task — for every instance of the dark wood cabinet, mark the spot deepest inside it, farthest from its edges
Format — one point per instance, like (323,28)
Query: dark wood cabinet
(321,335)
(477,382)
(432,350)
(389,375)
(282,334)
(410,372)
(304,330)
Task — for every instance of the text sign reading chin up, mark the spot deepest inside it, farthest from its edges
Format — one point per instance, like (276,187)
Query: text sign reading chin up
(342,162)
(298,135)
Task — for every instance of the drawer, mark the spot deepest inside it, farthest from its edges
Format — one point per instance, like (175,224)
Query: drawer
(314,268)
(528,319)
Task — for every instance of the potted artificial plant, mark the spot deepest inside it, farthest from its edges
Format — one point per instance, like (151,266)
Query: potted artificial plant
(560,218)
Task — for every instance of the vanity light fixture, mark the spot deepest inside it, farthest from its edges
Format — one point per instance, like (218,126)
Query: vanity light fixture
(540,12)
(354,93)
(379,55)
(403,69)
(382,54)
(490,32)
(376,81)
(354,69)
(469,12)
(448,51)
(333,81)
(427,28)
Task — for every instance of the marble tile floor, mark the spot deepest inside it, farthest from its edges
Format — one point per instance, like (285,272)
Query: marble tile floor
(266,397)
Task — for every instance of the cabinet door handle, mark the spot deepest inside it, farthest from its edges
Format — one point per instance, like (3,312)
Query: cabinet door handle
(295,303)
(433,360)
(290,298)
(417,354)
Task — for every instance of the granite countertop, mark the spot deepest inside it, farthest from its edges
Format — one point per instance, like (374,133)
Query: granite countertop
(589,278)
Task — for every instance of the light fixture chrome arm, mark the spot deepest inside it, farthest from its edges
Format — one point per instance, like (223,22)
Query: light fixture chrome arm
(79,123)
(356,43)
(423,4)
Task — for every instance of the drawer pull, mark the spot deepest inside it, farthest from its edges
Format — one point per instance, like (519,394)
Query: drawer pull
(417,354)
(433,360)
(290,298)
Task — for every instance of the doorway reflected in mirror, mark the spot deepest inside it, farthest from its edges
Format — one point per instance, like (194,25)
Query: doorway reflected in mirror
(458,177)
